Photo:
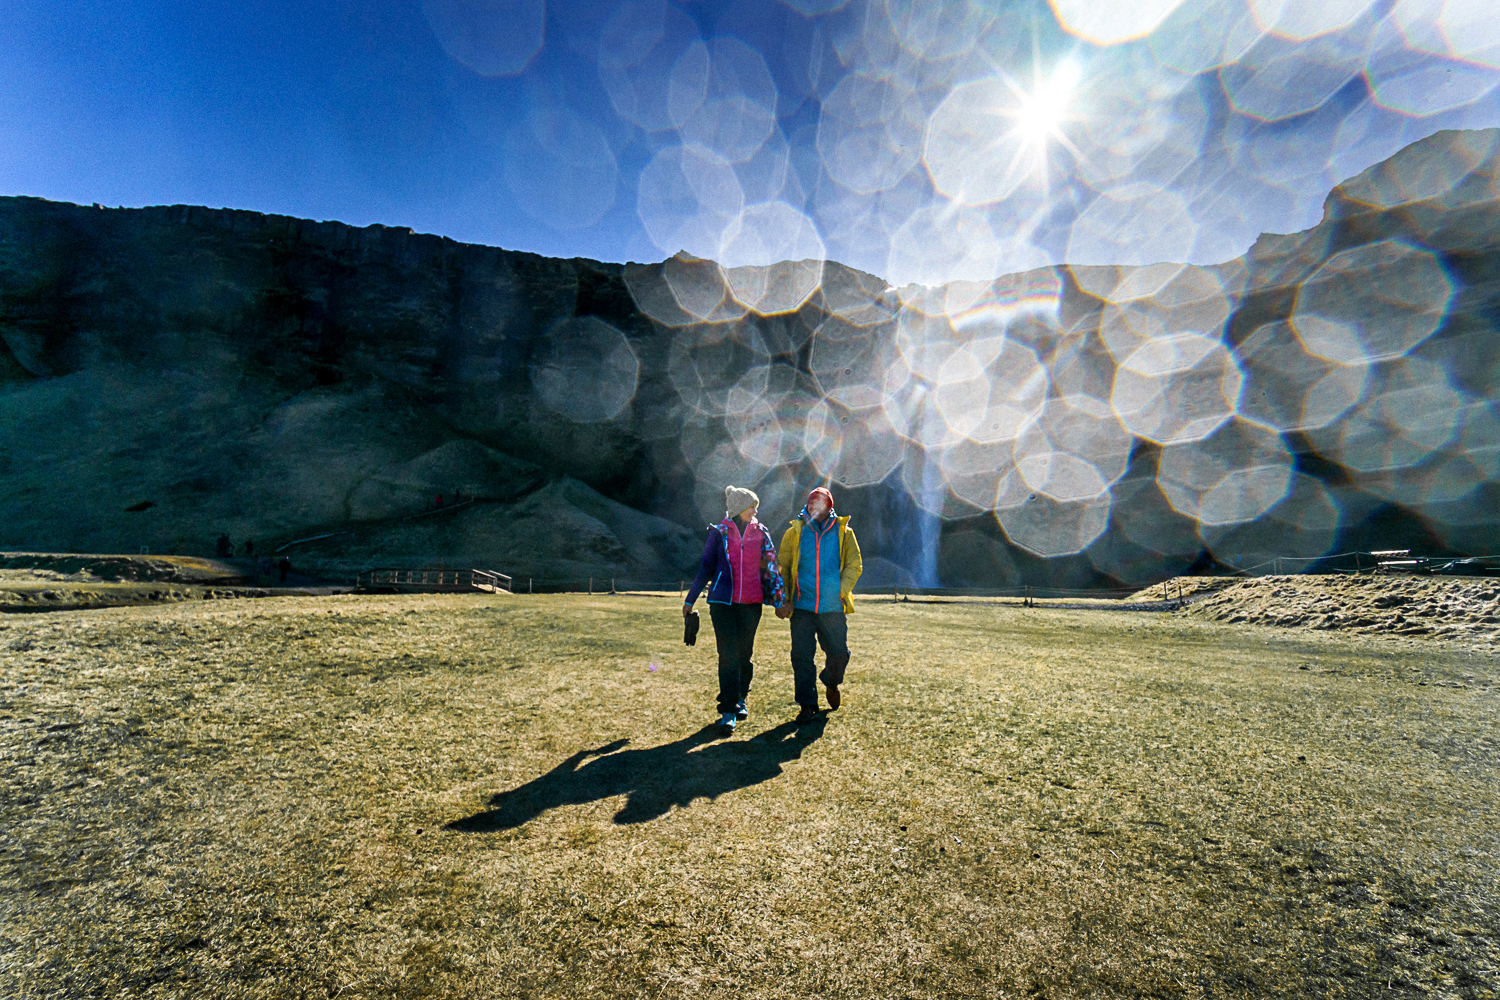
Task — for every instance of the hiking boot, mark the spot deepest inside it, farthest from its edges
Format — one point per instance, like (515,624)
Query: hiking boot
(806,715)
(833,697)
(741,712)
(726,723)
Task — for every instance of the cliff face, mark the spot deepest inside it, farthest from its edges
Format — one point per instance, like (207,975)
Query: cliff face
(270,377)
(301,307)
(167,374)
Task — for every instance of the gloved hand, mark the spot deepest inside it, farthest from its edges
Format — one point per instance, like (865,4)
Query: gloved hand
(785,611)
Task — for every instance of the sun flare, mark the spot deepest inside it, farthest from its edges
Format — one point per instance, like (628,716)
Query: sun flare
(1043,111)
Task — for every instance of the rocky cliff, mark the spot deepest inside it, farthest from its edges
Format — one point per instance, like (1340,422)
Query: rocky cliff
(168,374)
(173,373)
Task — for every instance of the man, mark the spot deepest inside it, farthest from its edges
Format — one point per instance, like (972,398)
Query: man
(820,561)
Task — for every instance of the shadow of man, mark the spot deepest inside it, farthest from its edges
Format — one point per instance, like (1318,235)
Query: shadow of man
(654,779)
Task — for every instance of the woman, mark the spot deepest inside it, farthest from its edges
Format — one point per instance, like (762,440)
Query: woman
(740,559)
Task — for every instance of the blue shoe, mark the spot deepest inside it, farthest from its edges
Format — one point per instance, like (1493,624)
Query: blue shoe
(726,723)
(741,712)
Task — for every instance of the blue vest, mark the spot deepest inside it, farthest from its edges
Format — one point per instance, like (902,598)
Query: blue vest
(818,567)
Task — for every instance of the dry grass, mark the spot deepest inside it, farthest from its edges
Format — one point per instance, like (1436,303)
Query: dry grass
(1458,609)
(475,796)
(32,595)
(87,568)
(47,581)
(1187,586)
(1465,610)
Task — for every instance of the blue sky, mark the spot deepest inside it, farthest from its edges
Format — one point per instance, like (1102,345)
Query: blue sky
(920,141)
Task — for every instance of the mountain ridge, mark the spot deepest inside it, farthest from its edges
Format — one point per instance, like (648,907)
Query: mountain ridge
(258,374)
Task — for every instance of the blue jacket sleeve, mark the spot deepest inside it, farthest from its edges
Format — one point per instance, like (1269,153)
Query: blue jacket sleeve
(774,590)
(706,566)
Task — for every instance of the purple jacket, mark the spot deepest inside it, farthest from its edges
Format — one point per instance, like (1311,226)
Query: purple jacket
(717,567)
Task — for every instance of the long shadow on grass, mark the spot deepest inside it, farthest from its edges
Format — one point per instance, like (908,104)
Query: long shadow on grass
(655,779)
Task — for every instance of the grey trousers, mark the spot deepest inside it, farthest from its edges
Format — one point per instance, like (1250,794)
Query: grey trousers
(830,630)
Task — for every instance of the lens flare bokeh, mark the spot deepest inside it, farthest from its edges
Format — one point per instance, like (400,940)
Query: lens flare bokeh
(1007,262)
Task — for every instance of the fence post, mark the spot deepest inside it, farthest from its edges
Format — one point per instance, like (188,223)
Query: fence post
(591,586)
(528,585)
(611,585)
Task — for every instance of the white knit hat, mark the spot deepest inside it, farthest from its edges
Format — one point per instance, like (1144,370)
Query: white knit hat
(737,498)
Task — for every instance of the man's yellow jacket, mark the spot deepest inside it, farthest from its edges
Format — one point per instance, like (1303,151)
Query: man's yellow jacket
(851,564)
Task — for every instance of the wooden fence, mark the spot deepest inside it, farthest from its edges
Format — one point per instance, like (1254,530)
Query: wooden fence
(434,581)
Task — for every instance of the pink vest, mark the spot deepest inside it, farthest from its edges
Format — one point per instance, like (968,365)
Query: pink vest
(744,562)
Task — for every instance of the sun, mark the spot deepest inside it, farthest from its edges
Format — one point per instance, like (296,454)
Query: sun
(1041,113)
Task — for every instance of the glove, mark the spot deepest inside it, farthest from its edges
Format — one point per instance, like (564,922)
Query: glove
(785,611)
(690,628)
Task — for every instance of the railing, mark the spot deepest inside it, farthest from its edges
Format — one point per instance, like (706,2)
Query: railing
(434,580)
(1380,561)
(495,583)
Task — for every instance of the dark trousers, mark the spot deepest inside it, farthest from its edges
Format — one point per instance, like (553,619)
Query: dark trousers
(734,634)
(831,630)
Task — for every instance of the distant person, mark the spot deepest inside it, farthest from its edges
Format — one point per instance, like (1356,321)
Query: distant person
(439,500)
(249,547)
(263,568)
(820,560)
(225,546)
(737,551)
(285,566)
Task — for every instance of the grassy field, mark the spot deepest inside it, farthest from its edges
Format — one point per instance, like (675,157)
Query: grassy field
(385,797)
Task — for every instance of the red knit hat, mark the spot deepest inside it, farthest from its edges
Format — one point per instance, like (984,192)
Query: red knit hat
(823,490)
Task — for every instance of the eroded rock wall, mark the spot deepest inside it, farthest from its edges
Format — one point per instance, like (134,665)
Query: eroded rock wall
(167,374)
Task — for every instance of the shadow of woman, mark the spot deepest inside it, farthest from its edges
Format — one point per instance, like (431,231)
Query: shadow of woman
(654,779)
